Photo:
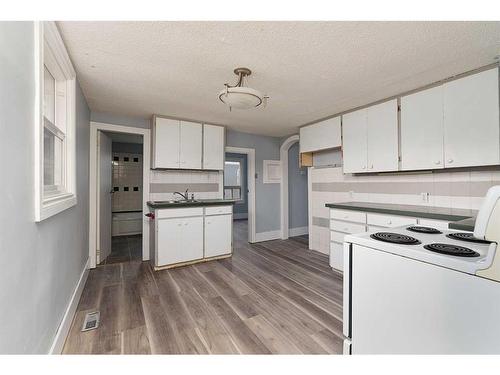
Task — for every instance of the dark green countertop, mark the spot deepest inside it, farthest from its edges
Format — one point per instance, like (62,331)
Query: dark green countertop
(196,203)
(466,224)
(428,212)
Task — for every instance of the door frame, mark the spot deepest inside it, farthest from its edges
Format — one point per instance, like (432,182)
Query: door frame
(250,152)
(285,146)
(95,127)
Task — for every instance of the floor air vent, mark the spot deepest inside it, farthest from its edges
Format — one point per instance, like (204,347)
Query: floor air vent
(91,321)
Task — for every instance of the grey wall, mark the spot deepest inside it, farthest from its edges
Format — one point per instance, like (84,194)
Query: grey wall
(109,118)
(241,208)
(40,263)
(267,196)
(297,190)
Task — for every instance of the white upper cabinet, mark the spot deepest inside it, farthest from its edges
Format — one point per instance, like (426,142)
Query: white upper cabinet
(422,130)
(370,139)
(166,134)
(382,130)
(190,145)
(213,147)
(471,120)
(176,144)
(354,147)
(321,136)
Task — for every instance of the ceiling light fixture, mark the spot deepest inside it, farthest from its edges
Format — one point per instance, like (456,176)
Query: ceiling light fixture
(239,96)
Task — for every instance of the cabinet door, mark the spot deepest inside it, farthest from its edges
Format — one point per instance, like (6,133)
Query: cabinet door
(218,235)
(213,147)
(422,130)
(471,120)
(179,240)
(166,143)
(190,145)
(354,144)
(337,256)
(320,136)
(382,135)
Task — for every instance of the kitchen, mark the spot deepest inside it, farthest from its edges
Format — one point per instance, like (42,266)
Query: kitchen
(372,205)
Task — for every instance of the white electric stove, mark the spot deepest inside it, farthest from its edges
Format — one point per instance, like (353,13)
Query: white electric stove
(420,290)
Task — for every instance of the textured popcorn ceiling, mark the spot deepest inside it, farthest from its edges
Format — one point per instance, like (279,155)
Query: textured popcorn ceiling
(309,69)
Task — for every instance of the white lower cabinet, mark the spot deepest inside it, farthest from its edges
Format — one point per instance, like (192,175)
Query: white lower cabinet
(218,235)
(344,222)
(179,240)
(191,234)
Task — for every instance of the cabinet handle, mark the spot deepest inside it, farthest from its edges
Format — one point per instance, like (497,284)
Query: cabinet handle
(389,222)
(185,223)
(371,167)
(180,224)
(363,167)
(450,160)
(437,162)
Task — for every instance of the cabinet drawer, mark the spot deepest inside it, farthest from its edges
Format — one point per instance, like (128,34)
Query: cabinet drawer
(342,226)
(337,256)
(179,212)
(347,215)
(389,221)
(218,210)
(337,236)
(438,224)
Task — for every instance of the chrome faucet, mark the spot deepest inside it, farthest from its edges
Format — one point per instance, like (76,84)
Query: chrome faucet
(185,195)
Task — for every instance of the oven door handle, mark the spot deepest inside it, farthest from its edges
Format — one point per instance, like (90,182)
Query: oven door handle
(347,289)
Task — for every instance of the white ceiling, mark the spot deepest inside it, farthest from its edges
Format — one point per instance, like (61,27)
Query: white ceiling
(309,69)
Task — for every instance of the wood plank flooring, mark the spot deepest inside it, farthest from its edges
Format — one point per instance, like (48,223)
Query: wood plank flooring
(273,297)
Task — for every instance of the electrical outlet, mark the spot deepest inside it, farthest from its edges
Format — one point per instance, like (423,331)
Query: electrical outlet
(425,197)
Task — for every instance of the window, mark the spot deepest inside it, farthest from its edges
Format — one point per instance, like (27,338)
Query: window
(55,126)
(233,181)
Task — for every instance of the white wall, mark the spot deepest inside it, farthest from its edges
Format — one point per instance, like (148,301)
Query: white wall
(40,263)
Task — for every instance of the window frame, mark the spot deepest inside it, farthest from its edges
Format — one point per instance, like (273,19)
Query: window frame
(239,187)
(51,52)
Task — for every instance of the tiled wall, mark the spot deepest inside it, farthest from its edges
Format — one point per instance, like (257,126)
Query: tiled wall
(460,189)
(204,184)
(127,181)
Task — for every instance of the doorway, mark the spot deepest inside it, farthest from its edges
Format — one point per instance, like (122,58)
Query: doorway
(294,192)
(239,184)
(119,190)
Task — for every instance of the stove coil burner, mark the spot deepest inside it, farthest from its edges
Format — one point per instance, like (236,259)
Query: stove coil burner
(464,236)
(427,230)
(395,238)
(448,249)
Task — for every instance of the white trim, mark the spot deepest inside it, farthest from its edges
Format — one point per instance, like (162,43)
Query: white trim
(285,146)
(47,37)
(309,204)
(250,152)
(268,236)
(93,209)
(300,231)
(65,325)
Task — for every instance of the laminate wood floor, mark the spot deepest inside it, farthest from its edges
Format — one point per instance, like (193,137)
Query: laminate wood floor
(272,297)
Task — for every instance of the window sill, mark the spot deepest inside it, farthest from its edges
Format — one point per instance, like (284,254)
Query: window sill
(53,206)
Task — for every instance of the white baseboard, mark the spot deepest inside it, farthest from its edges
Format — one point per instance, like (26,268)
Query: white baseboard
(268,236)
(300,231)
(64,327)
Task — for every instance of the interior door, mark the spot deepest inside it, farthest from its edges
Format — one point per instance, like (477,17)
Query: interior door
(105,190)
(191,144)
(354,146)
